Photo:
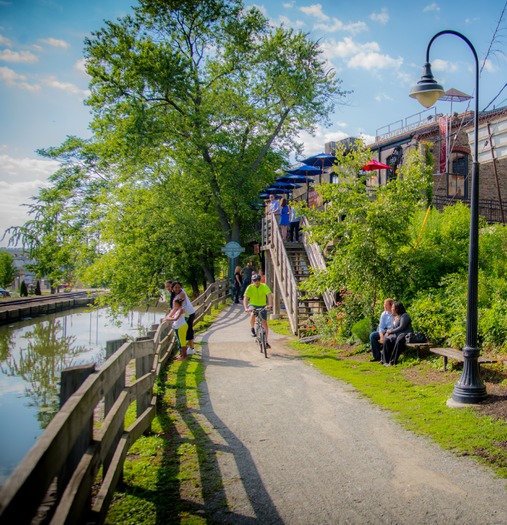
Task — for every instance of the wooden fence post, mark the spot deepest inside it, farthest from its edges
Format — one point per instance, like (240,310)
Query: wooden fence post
(110,399)
(71,379)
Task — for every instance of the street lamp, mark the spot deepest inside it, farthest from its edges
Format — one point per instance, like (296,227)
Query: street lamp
(469,389)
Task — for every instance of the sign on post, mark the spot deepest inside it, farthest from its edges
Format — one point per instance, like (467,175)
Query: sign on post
(233,250)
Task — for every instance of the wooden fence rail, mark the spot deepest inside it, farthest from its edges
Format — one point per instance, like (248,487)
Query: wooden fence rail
(53,484)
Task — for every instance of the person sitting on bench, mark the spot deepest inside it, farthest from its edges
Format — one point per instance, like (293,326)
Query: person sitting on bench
(385,322)
(394,342)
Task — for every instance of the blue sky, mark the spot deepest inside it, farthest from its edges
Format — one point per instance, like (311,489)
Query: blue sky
(377,50)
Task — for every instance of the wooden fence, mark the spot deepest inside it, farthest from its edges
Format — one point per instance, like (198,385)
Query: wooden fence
(53,484)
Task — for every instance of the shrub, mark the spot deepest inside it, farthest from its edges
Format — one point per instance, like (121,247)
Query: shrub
(361,330)
(23,290)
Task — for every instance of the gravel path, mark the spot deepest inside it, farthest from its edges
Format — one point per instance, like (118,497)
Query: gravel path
(297,447)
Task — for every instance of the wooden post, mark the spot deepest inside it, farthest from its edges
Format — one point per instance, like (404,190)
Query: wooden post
(71,379)
(111,397)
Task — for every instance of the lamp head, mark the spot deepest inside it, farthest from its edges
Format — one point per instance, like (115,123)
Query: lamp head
(427,91)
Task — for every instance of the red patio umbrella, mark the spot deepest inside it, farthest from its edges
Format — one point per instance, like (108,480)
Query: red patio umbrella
(375,165)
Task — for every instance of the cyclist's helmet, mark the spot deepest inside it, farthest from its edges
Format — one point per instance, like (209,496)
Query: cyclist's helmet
(256,277)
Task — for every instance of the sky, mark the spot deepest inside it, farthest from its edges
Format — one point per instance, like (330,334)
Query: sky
(377,49)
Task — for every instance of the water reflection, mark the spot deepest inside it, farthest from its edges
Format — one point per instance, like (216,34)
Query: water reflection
(32,355)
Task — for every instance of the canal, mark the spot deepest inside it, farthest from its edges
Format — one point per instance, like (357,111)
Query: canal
(32,355)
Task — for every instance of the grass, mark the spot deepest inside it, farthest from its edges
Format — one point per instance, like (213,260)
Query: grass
(172,476)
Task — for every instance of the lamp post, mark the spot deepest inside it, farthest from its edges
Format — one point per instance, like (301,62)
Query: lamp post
(469,389)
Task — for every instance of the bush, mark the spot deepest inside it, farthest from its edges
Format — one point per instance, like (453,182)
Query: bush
(361,330)
(37,289)
(23,290)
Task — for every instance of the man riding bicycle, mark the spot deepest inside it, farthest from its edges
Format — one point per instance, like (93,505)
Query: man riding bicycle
(259,296)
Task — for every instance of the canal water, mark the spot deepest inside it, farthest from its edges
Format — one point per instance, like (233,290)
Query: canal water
(32,356)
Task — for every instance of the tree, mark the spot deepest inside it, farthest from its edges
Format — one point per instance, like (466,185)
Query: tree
(7,268)
(195,106)
(23,290)
(37,288)
(209,86)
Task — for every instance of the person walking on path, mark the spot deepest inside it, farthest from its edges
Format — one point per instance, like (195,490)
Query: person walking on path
(247,278)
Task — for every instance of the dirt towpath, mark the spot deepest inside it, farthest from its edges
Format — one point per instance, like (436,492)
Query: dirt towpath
(297,447)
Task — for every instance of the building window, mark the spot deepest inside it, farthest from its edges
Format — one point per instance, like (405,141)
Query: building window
(457,180)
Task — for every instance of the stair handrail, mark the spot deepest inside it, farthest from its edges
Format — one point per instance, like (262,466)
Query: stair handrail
(282,268)
(317,260)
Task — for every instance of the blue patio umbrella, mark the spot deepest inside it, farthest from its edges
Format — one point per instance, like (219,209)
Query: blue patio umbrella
(285,185)
(293,178)
(307,170)
(321,160)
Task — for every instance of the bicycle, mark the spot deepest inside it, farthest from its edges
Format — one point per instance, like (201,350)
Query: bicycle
(260,333)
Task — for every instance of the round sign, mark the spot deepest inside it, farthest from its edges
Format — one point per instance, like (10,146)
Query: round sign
(233,249)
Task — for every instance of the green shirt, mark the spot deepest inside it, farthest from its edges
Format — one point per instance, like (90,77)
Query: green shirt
(257,295)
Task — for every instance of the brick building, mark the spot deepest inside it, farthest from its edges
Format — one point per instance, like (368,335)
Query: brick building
(451,142)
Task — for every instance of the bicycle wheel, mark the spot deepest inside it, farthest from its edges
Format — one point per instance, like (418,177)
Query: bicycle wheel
(262,342)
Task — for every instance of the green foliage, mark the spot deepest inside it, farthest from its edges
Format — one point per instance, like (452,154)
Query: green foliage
(195,105)
(37,288)
(368,237)
(361,330)
(23,290)
(7,268)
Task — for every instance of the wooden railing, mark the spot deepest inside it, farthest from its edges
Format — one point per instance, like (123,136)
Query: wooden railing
(317,260)
(53,484)
(288,286)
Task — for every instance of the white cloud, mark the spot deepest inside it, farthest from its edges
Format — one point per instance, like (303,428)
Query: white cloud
(374,61)
(21,179)
(17,56)
(288,5)
(5,41)
(55,42)
(315,10)
(53,82)
(338,25)
(360,56)
(285,21)
(443,65)
(11,78)
(80,65)
(382,17)
(489,67)
(25,168)
(431,7)
(315,144)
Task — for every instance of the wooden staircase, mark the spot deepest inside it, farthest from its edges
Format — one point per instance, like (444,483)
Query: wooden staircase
(308,306)
(287,265)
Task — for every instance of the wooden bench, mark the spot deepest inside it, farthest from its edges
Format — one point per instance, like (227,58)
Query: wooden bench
(451,353)
(418,347)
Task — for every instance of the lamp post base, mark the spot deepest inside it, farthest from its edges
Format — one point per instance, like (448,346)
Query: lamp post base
(470,389)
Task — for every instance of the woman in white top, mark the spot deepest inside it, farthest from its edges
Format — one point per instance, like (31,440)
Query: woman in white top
(190,314)
(177,316)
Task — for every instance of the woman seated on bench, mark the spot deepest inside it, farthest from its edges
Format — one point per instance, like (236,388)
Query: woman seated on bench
(394,342)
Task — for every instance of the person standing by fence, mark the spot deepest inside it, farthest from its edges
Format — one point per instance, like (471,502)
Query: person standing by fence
(180,326)
(190,312)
